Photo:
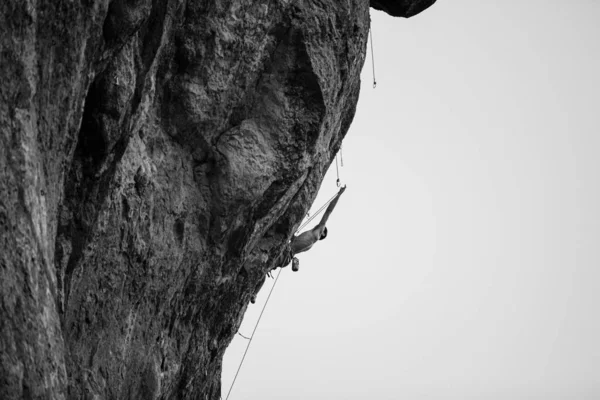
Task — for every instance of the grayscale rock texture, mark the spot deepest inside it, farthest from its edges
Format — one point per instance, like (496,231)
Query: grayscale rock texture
(156,156)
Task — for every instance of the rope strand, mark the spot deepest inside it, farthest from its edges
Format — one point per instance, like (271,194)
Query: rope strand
(337,171)
(252,336)
(372,56)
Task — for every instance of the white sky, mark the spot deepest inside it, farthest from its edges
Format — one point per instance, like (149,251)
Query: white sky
(463,260)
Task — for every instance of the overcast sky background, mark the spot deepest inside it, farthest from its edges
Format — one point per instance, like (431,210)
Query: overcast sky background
(463,260)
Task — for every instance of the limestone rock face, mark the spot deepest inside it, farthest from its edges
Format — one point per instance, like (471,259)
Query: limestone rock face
(155,159)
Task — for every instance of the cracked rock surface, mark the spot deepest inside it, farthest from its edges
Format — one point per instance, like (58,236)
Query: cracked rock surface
(155,159)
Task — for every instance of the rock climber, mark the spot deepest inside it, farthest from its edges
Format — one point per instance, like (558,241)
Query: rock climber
(306,240)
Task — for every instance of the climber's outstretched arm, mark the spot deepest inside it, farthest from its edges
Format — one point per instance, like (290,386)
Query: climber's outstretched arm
(328,212)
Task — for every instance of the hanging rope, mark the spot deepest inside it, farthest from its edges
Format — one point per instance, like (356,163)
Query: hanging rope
(372,56)
(252,336)
(337,171)
(341,157)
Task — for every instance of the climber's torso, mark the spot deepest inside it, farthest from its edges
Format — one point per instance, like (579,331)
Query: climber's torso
(305,241)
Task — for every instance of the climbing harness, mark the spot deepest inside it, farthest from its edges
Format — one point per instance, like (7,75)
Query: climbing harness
(252,336)
(372,56)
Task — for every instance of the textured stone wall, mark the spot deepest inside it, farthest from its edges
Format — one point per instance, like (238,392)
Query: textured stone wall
(155,158)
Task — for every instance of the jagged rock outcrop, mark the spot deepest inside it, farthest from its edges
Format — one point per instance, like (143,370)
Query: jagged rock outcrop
(155,159)
(401,8)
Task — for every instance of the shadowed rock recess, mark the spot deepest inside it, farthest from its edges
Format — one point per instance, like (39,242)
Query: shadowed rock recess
(155,158)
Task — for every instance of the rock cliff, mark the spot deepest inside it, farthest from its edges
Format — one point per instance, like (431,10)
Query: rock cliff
(156,156)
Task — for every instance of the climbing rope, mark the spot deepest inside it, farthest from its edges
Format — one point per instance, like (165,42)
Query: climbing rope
(372,56)
(252,336)
(338,183)
(337,172)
